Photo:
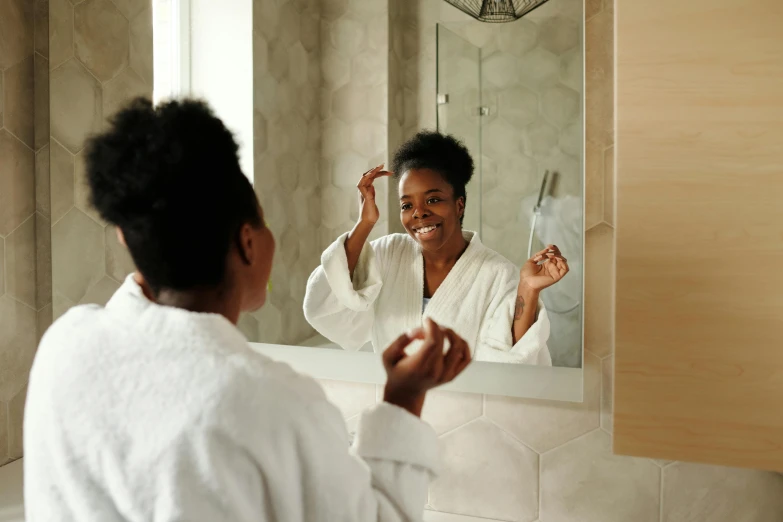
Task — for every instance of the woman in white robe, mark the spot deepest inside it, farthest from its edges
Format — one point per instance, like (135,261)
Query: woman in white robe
(366,291)
(156,408)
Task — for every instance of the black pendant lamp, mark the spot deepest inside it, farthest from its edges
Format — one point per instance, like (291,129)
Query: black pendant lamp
(496,11)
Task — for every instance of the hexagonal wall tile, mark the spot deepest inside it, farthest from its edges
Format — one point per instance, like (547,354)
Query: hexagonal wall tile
(141,45)
(20,262)
(571,70)
(517,38)
(119,91)
(347,35)
(544,425)
(17,345)
(131,8)
(368,138)
(486,473)
(309,30)
(76,105)
(499,137)
(118,260)
(2,99)
(41,102)
(78,255)
(100,292)
(43,202)
(349,103)
(269,323)
(81,190)
(278,59)
(16,32)
(43,260)
(351,398)
(570,139)
(445,411)
(3,433)
(297,58)
(719,494)
(60,32)
(60,305)
(599,290)
(559,34)
(538,67)
(560,105)
(501,70)
(2,267)
(101,38)
(334,9)
(583,481)
(17,184)
(289,23)
(539,138)
(518,105)
(248,325)
(16,423)
(61,179)
(19,101)
(347,169)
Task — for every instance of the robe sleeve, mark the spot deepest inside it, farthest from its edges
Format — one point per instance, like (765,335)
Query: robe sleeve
(384,477)
(342,310)
(496,343)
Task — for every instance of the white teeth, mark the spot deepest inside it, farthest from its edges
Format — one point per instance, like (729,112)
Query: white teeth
(424,230)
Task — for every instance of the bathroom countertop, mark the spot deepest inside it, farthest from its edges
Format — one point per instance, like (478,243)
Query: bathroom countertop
(11,493)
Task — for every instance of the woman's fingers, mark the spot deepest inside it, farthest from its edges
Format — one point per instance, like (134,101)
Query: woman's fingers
(457,358)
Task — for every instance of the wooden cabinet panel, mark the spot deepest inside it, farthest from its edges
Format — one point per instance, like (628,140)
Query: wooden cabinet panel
(699,173)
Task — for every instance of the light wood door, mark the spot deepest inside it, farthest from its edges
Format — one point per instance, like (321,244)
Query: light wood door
(699,304)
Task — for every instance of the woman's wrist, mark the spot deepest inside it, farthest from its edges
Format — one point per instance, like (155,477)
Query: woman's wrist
(528,293)
(412,402)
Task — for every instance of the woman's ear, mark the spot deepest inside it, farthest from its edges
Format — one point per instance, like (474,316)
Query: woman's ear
(245,243)
(121,237)
(460,206)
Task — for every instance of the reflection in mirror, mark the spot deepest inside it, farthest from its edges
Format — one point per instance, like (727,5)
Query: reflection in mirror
(527,133)
(331,103)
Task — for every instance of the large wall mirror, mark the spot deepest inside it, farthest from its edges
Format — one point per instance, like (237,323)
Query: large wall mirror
(317,94)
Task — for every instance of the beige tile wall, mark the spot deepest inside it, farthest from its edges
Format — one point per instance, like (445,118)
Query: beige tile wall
(25,284)
(527,460)
(101,57)
(288,170)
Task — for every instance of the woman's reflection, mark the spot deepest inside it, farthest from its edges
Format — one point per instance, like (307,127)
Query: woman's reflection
(370,292)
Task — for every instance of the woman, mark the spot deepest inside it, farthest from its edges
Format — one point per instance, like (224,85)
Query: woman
(155,407)
(366,292)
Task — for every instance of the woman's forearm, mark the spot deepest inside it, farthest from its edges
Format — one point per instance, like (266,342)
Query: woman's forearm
(355,242)
(524,312)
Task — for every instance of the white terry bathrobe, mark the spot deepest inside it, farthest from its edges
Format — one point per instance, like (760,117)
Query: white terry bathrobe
(385,299)
(138,411)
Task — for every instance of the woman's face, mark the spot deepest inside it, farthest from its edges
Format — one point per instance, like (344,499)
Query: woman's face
(258,250)
(428,209)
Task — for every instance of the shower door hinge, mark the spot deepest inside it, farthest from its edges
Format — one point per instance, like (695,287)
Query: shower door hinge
(483,111)
(443,99)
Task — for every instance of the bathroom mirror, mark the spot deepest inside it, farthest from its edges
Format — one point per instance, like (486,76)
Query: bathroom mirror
(317,93)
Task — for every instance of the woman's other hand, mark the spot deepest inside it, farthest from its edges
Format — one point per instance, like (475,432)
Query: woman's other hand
(411,376)
(544,269)
(369,212)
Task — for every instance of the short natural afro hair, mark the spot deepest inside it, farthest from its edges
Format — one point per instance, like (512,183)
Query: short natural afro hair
(442,153)
(169,178)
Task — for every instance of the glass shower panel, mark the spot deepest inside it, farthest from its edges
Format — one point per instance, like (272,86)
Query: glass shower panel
(459,101)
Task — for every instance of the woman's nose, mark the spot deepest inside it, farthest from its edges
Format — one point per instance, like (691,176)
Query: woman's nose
(420,212)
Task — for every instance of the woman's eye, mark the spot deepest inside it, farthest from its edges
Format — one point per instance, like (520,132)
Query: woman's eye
(432,201)
(406,206)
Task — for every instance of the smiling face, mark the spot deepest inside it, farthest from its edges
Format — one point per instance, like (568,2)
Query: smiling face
(429,211)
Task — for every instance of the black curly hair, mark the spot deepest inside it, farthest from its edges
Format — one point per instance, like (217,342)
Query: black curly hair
(169,178)
(442,153)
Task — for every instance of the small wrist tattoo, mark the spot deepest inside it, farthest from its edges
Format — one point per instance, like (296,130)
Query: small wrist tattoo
(520,307)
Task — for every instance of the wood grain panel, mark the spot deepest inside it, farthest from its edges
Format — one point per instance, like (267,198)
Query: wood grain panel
(699,174)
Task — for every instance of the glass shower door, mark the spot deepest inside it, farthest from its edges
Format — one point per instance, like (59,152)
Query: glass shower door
(459,102)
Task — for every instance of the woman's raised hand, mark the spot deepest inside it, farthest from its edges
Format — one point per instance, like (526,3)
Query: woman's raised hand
(544,269)
(369,212)
(411,376)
